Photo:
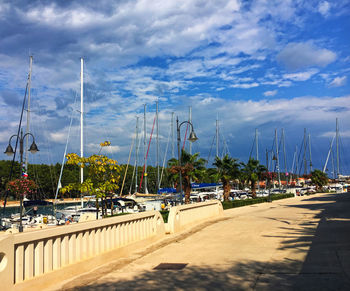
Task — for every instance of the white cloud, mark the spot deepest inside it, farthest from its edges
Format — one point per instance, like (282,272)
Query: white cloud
(270,93)
(324,8)
(59,137)
(331,134)
(305,54)
(338,82)
(302,76)
(245,85)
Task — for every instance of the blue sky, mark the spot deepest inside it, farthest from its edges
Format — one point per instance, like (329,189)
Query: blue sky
(254,64)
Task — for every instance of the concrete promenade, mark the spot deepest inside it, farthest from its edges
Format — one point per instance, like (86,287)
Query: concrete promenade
(300,243)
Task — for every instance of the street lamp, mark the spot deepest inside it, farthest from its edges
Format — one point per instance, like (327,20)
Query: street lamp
(192,138)
(9,151)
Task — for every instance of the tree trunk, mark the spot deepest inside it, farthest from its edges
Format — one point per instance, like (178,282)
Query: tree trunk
(253,189)
(187,194)
(97,207)
(227,189)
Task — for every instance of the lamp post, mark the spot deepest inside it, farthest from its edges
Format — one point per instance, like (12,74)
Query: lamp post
(191,138)
(9,151)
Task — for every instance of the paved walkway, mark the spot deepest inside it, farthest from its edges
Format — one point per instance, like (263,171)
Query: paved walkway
(300,243)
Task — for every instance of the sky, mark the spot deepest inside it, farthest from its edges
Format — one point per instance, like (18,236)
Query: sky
(265,65)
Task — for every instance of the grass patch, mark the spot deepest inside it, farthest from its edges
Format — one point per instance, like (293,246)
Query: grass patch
(240,203)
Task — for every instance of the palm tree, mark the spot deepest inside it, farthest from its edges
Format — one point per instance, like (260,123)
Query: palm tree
(227,170)
(192,169)
(253,171)
(319,178)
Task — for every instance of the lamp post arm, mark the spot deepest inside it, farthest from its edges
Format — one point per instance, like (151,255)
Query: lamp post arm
(28,133)
(188,122)
(12,137)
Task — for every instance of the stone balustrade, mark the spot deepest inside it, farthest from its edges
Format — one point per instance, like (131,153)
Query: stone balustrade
(185,216)
(36,260)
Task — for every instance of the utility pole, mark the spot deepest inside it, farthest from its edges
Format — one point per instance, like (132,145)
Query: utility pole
(28,111)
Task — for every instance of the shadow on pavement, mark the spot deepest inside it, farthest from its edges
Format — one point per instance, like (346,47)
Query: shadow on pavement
(326,267)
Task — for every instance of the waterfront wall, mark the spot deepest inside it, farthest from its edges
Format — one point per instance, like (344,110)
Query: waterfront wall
(41,258)
(38,259)
(184,216)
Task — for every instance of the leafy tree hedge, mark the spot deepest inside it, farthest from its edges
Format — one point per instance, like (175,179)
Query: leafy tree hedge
(239,203)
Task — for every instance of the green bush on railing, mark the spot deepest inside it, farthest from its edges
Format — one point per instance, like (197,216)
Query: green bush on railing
(240,203)
(165,214)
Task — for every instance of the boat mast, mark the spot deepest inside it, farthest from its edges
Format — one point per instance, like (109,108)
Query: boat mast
(144,146)
(284,155)
(190,120)
(257,152)
(172,136)
(296,163)
(333,168)
(217,136)
(337,145)
(157,115)
(305,162)
(257,144)
(136,151)
(310,153)
(28,112)
(81,122)
(277,160)
(329,152)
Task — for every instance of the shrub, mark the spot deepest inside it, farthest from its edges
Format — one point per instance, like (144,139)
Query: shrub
(240,203)
(165,215)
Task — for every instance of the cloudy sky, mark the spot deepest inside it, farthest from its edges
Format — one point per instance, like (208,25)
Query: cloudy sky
(253,64)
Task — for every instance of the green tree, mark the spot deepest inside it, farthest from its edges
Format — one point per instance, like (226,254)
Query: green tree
(227,170)
(192,169)
(319,179)
(103,175)
(253,172)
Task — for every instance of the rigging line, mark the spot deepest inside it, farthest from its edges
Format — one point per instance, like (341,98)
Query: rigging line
(165,155)
(137,147)
(251,150)
(225,144)
(183,146)
(127,166)
(210,149)
(41,127)
(64,155)
(14,155)
(35,128)
(300,151)
(144,165)
(133,176)
(341,154)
